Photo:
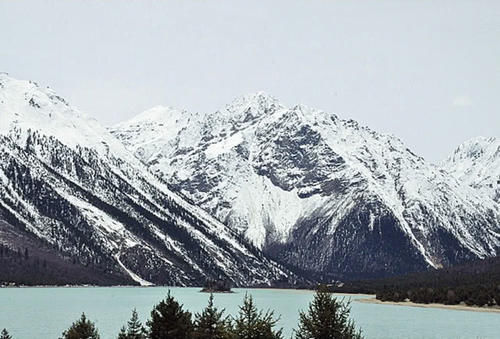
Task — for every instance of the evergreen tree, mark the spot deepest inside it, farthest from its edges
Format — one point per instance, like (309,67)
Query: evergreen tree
(134,329)
(170,321)
(123,333)
(211,323)
(327,318)
(5,334)
(81,329)
(254,324)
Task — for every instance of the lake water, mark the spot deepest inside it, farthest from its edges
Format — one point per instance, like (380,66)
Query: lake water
(41,313)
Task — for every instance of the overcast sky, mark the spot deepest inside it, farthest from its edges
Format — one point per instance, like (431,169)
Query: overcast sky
(426,71)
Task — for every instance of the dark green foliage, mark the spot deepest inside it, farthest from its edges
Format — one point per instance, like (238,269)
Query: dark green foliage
(81,329)
(254,324)
(170,321)
(327,318)
(42,263)
(217,286)
(211,323)
(5,334)
(134,329)
(123,333)
(471,295)
(473,284)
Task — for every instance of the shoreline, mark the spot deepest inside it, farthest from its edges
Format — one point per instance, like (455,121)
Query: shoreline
(372,300)
(161,286)
(353,297)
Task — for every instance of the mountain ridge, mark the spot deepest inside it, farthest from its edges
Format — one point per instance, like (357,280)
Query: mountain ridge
(309,167)
(68,181)
(477,163)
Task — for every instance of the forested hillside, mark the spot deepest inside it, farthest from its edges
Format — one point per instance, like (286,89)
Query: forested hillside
(27,260)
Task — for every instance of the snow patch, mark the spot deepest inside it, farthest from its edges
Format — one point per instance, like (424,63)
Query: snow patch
(224,146)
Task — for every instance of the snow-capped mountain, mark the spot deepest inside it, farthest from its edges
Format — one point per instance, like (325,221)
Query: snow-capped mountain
(316,191)
(477,163)
(71,185)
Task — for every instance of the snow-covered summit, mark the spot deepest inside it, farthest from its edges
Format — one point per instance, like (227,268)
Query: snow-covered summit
(252,106)
(66,180)
(26,106)
(476,162)
(159,114)
(476,149)
(321,192)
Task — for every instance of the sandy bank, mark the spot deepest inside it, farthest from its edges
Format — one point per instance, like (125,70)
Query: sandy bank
(372,300)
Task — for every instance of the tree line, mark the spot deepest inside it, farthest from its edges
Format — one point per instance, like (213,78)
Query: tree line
(475,284)
(326,318)
(471,295)
(37,264)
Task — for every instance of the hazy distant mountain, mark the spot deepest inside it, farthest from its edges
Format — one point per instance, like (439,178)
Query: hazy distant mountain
(316,191)
(72,189)
(477,163)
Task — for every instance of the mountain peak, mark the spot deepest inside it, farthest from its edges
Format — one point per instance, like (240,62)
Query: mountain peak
(476,162)
(475,148)
(157,114)
(254,105)
(26,106)
(64,179)
(259,96)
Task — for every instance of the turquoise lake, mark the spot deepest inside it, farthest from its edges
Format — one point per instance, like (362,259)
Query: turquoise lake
(41,313)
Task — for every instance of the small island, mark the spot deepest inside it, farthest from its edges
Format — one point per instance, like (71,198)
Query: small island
(217,286)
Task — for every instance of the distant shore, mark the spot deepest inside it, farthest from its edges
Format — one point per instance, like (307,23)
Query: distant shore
(161,286)
(354,297)
(372,300)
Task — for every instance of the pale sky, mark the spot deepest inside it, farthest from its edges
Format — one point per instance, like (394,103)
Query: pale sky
(425,71)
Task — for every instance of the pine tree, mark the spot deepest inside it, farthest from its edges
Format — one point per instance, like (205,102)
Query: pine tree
(211,323)
(123,333)
(81,329)
(327,318)
(170,321)
(134,329)
(5,334)
(254,324)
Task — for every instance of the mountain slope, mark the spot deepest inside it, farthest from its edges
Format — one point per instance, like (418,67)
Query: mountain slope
(65,180)
(316,191)
(28,260)
(477,163)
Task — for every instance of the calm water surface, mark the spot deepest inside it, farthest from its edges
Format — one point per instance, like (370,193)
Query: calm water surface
(41,313)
